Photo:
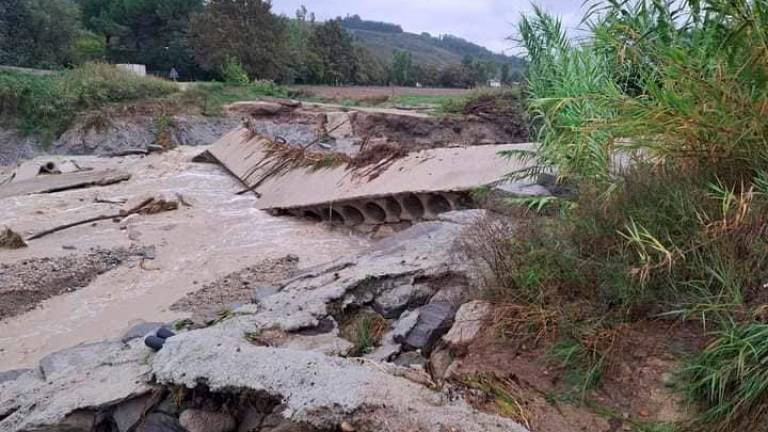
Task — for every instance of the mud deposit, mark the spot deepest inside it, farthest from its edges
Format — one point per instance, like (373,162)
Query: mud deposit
(24,284)
(237,288)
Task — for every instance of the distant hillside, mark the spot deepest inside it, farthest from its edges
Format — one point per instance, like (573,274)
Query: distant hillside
(382,39)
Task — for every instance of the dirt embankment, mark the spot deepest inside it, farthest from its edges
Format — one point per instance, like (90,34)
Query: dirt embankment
(106,134)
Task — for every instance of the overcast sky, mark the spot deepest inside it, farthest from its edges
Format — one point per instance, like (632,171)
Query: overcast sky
(486,22)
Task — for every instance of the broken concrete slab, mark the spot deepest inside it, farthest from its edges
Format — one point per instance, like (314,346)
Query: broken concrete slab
(418,186)
(62,182)
(316,389)
(423,252)
(85,378)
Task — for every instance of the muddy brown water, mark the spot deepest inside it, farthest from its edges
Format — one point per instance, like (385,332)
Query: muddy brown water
(220,233)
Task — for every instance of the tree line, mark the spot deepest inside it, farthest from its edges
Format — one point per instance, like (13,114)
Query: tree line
(208,39)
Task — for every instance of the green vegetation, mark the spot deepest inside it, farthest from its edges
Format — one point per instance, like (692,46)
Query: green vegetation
(211,97)
(657,118)
(48,104)
(730,378)
(364,329)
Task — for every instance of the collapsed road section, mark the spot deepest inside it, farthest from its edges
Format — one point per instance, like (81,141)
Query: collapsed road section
(393,188)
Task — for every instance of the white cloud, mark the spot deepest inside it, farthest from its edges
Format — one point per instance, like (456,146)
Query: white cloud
(486,22)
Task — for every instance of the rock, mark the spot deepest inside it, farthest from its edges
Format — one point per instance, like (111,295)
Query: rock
(11,240)
(195,420)
(251,420)
(160,422)
(439,363)
(411,359)
(470,320)
(140,330)
(390,342)
(316,389)
(128,413)
(392,302)
(433,322)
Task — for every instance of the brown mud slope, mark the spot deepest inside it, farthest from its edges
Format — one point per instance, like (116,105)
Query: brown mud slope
(524,382)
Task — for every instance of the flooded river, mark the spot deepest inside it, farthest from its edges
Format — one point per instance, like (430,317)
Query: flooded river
(219,233)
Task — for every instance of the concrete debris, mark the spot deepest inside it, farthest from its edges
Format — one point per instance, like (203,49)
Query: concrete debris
(11,240)
(317,389)
(275,363)
(63,182)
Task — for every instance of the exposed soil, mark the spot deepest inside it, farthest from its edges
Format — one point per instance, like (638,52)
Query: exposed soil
(366,92)
(25,284)
(635,388)
(236,288)
(415,133)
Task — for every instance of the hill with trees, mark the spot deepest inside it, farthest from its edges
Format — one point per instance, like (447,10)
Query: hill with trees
(383,39)
(239,40)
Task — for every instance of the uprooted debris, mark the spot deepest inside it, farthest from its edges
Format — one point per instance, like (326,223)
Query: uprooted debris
(11,240)
(24,284)
(147,206)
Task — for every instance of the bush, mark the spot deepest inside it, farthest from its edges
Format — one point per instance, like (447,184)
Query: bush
(48,104)
(233,72)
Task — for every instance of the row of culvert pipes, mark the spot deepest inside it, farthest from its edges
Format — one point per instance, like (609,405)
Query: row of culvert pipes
(410,207)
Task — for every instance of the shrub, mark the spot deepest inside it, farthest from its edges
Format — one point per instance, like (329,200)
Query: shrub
(233,72)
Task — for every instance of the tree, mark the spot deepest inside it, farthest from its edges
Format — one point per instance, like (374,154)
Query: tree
(332,57)
(151,32)
(300,31)
(242,29)
(402,65)
(368,70)
(505,78)
(38,33)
